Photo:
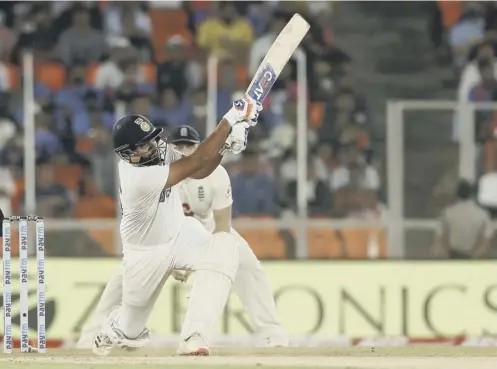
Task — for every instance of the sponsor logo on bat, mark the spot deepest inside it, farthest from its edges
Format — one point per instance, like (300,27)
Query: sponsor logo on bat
(263,83)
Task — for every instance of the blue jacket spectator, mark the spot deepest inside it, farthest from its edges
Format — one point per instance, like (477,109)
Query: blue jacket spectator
(254,192)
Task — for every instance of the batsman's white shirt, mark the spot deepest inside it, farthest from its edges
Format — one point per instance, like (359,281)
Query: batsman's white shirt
(151,214)
(201,197)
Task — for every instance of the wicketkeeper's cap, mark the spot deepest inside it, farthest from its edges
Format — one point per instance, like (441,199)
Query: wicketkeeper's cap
(184,134)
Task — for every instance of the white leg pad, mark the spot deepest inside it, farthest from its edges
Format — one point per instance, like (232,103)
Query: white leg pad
(214,276)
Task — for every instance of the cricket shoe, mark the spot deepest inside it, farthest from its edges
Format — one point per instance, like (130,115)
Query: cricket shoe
(112,336)
(102,344)
(194,345)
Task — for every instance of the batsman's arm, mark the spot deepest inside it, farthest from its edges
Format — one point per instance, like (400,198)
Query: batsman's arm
(206,157)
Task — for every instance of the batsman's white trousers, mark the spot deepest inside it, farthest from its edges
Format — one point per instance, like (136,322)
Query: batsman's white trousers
(251,284)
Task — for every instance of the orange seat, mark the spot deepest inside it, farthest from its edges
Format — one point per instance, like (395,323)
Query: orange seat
(51,74)
(68,175)
(13,75)
(17,199)
(329,243)
(316,114)
(91,73)
(357,242)
(150,71)
(84,145)
(266,243)
(324,244)
(95,207)
(451,12)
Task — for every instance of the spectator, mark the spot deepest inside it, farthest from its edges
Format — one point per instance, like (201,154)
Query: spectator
(139,39)
(118,18)
(71,96)
(83,120)
(322,84)
(7,189)
(490,21)
(47,144)
(465,228)
(110,73)
(81,43)
(7,38)
(5,80)
(227,86)
(37,34)
(121,68)
(341,112)
(141,104)
(134,82)
(347,81)
(7,125)
(353,167)
(102,156)
(471,76)
(317,192)
(254,192)
(173,110)
(262,44)
(53,200)
(63,13)
(227,34)
(466,33)
(178,72)
(486,91)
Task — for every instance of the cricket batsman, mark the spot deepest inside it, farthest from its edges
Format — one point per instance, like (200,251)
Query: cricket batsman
(209,200)
(157,237)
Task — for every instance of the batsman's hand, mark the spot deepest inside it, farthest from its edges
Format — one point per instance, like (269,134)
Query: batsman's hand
(181,275)
(237,139)
(243,110)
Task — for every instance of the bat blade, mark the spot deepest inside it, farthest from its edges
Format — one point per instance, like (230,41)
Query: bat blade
(276,58)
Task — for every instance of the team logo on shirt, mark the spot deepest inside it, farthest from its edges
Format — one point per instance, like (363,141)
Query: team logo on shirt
(201,193)
(228,192)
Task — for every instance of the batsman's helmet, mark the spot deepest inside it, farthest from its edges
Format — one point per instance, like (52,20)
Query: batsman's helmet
(184,134)
(132,131)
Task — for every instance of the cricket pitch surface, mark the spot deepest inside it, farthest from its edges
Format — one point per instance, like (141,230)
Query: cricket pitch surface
(429,357)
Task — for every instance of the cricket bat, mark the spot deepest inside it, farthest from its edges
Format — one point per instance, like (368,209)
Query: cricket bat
(275,60)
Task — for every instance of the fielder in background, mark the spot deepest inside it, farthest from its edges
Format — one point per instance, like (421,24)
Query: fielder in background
(157,237)
(209,200)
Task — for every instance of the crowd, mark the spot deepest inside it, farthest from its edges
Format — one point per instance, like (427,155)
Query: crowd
(469,29)
(89,56)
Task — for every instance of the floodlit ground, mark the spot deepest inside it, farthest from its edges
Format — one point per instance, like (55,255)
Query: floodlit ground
(291,358)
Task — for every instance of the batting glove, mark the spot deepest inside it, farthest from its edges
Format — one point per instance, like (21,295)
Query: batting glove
(243,110)
(237,139)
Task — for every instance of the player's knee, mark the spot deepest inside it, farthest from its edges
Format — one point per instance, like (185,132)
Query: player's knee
(222,255)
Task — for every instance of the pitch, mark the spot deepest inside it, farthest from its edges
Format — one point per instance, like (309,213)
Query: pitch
(431,357)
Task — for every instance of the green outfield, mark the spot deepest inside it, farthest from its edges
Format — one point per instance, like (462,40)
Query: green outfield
(430,357)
